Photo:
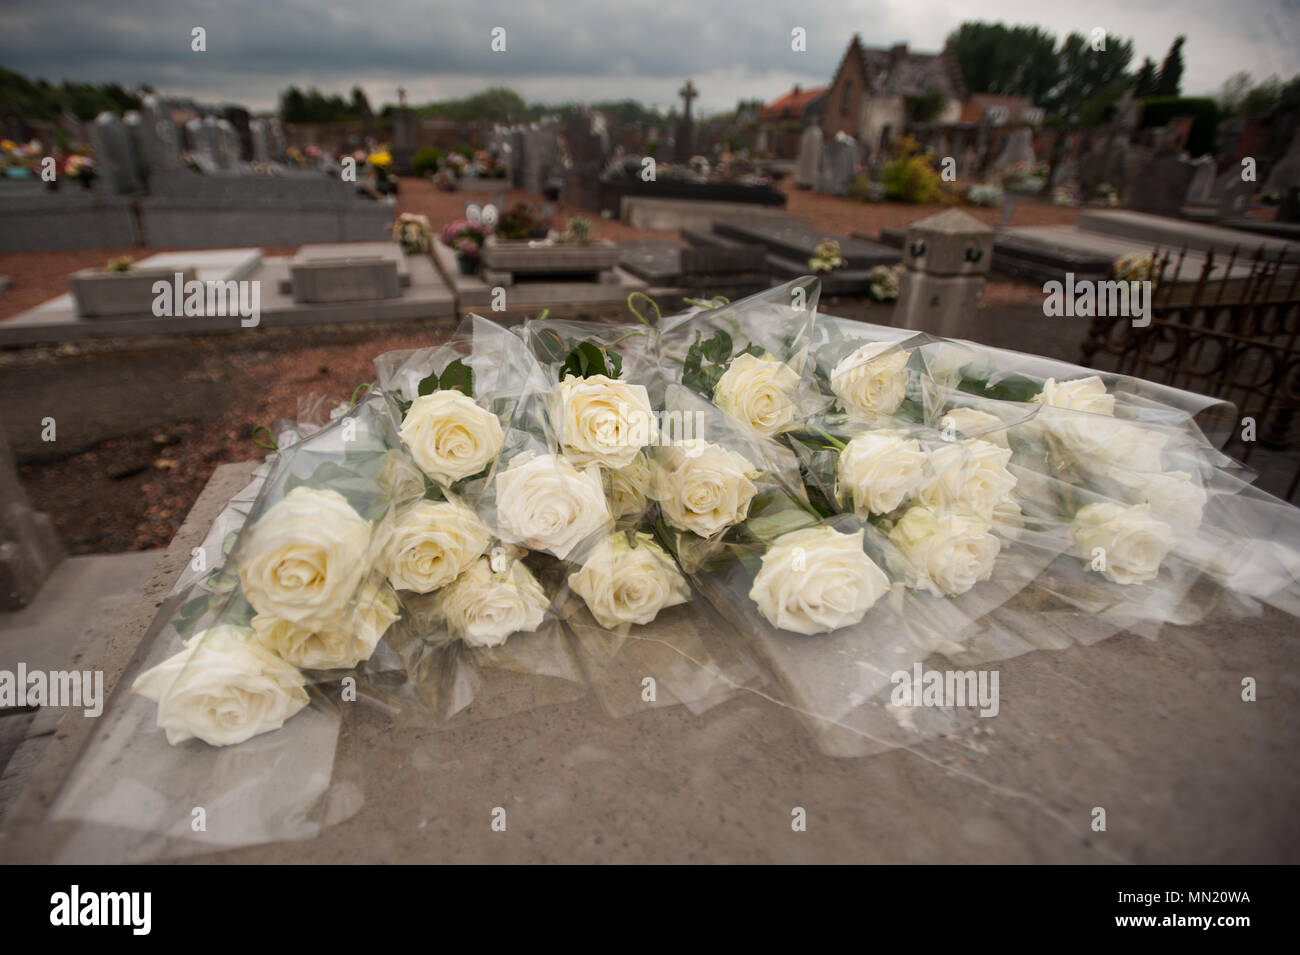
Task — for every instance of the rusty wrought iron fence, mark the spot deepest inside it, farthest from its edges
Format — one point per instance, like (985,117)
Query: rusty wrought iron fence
(1234,336)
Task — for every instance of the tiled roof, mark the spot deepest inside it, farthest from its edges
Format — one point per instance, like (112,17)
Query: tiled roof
(899,71)
(792,104)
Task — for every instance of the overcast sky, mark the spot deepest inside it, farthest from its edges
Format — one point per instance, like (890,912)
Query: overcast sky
(560,50)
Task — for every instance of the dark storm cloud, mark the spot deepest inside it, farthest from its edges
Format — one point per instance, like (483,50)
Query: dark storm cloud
(578,49)
(149,40)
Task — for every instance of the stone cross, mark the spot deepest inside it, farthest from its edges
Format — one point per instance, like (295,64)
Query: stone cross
(688,93)
(401,96)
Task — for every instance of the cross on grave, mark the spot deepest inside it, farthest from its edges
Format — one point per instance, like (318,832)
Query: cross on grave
(688,93)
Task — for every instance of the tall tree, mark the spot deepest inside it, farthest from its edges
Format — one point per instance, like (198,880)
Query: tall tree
(1013,61)
(360,105)
(1087,73)
(1234,90)
(1171,70)
(1145,83)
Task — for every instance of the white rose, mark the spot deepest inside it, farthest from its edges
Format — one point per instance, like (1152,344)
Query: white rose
(969,476)
(871,380)
(759,393)
(1008,518)
(628,488)
(817,580)
(546,503)
(305,556)
(703,487)
(949,553)
(622,584)
(601,420)
(1172,496)
(400,479)
(223,688)
(1126,544)
(1080,394)
(484,608)
(449,436)
(431,543)
(1097,440)
(877,470)
(945,360)
(973,423)
(336,644)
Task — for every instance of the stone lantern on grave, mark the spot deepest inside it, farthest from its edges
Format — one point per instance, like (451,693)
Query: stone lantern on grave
(946,258)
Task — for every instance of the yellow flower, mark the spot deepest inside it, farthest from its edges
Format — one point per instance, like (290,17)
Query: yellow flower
(381,159)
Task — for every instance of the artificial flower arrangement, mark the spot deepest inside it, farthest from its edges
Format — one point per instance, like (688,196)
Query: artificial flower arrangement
(984,194)
(411,231)
(845,498)
(826,257)
(1134,267)
(885,282)
(466,239)
(81,168)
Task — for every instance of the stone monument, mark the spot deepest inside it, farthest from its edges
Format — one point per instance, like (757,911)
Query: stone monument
(946,259)
(810,154)
(835,168)
(403,136)
(684,145)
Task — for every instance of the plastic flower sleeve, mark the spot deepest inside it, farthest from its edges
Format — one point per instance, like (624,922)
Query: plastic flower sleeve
(845,683)
(455,403)
(485,646)
(273,717)
(643,638)
(751,358)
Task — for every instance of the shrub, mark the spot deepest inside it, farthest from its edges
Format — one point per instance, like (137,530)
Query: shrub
(909,175)
(426,160)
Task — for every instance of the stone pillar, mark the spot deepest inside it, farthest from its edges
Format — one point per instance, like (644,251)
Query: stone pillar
(404,140)
(945,260)
(29,549)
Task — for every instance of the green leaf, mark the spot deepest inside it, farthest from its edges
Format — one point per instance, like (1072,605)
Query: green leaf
(457,376)
(588,359)
(615,363)
(718,348)
(428,385)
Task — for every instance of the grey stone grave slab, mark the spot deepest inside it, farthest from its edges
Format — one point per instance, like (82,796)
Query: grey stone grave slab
(355,279)
(473,291)
(202,223)
(795,239)
(100,294)
(428,297)
(36,219)
(341,252)
(1152,230)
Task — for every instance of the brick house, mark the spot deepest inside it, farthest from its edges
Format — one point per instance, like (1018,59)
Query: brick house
(876,88)
(781,122)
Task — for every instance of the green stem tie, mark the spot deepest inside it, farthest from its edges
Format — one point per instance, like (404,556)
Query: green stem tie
(273,446)
(659,316)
